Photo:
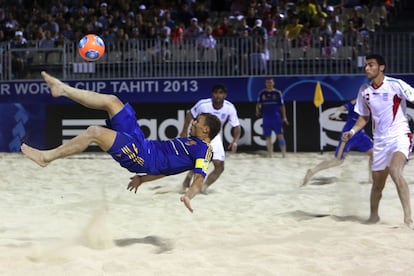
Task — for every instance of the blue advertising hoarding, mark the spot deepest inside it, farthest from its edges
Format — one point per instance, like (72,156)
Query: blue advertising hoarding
(187,90)
(23,104)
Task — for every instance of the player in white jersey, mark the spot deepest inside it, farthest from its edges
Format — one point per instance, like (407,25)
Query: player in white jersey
(385,100)
(226,112)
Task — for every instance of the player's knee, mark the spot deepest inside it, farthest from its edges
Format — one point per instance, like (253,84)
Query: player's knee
(94,131)
(113,103)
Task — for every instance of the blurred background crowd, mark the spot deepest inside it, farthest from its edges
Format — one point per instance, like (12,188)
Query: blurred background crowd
(49,23)
(323,24)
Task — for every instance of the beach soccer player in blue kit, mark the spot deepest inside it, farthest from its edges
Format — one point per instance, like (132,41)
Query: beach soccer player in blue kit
(271,108)
(125,142)
(360,142)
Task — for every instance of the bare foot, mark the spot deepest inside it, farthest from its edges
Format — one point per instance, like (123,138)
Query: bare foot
(308,177)
(55,85)
(410,224)
(372,220)
(36,155)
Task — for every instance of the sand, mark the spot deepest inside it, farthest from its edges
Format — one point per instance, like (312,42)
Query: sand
(75,217)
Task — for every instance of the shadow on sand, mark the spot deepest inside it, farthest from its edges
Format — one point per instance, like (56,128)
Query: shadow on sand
(163,245)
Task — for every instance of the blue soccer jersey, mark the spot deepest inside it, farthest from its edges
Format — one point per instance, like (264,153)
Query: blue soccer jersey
(140,155)
(271,102)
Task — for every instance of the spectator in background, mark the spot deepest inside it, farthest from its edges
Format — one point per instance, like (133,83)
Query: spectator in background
(307,11)
(185,15)
(244,50)
(19,57)
(177,34)
(104,16)
(169,21)
(221,27)
(205,43)
(292,31)
(50,25)
(335,39)
(67,32)
(201,12)
(270,25)
(193,31)
(259,54)
(47,40)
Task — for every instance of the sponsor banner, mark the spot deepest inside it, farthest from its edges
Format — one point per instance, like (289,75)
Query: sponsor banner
(164,121)
(189,90)
(51,125)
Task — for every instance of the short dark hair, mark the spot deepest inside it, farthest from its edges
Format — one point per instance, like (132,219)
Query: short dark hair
(213,123)
(380,59)
(220,86)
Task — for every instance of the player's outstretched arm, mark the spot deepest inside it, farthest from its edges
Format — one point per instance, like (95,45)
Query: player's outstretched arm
(194,189)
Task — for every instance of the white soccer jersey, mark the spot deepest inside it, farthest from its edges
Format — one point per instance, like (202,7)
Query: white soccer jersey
(387,106)
(227,113)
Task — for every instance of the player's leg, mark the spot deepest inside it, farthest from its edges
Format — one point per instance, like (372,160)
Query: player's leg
(267,133)
(341,150)
(278,129)
(102,136)
(90,99)
(269,146)
(326,164)
(379,178)
(282,144)
(396,168)
(370,153)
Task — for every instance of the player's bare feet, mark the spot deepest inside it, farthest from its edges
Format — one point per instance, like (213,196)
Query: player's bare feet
(55,85)
(308,177)
(35,155)
(372,220)
(409,223)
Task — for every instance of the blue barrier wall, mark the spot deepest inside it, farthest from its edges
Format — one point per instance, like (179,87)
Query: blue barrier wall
(27,112)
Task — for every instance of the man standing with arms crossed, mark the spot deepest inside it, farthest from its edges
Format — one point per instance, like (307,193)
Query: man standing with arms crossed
(226,112)
(384,99)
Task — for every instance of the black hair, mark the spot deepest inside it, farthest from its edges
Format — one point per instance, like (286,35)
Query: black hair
(220,86)
(213,123)
(380,59)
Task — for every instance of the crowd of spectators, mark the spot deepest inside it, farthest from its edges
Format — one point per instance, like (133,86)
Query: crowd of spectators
(328,24)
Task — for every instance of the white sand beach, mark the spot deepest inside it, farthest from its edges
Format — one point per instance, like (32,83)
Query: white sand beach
(75,217)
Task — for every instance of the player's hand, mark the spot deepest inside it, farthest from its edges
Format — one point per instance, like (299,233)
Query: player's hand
(135,182)
(186,200)
(346,136)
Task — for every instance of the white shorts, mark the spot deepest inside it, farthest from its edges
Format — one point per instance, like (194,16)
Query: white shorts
(385,148)
(218,148)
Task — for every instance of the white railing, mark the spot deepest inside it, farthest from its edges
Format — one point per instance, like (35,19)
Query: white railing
(146,58)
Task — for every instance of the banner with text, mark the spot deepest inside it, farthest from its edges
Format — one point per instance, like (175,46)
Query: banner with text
(189,90)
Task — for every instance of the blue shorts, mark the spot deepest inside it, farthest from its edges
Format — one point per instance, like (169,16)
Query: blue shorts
(130,147)
(272,125)
(360,142)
